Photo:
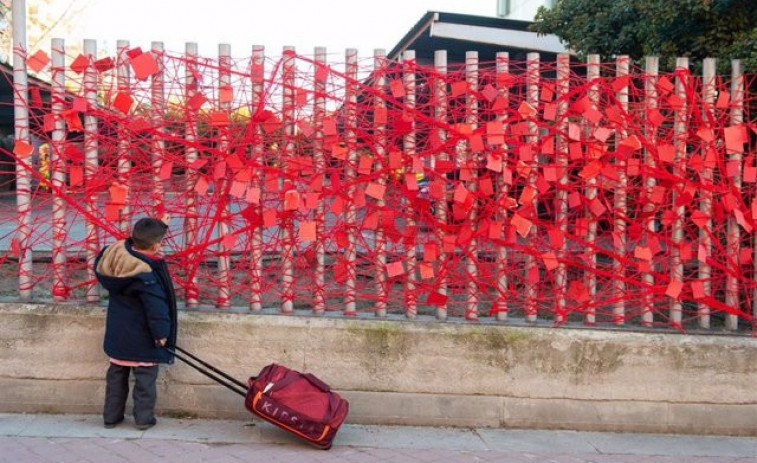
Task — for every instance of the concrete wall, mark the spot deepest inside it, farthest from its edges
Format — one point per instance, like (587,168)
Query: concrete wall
(419,373)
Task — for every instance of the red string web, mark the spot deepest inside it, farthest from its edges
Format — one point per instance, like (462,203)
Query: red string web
(504,189)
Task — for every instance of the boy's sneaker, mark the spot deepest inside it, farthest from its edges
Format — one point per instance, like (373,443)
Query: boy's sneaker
(148,425)
(113,425)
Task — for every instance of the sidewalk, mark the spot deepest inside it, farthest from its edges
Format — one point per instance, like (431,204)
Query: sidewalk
(81,438)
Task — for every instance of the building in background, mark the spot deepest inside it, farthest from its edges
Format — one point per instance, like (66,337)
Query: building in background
(523,10)
(459,33)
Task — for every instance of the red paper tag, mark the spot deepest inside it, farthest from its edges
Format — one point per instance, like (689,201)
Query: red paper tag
(38,61)
(123,102)
(22,149)
(307,231)
(375,190)
(394,269)
(144,66)
(80,64)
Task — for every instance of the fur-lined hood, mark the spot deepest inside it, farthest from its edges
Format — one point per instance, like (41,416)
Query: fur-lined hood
(117,261)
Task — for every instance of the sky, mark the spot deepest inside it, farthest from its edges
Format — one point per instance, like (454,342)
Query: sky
(304,24)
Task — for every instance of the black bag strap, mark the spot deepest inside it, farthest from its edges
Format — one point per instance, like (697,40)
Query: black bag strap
(221,378)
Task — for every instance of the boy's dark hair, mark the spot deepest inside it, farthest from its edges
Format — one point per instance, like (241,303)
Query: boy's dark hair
(147,232)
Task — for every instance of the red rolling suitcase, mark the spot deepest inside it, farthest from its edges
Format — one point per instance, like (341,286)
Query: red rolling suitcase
(298,402)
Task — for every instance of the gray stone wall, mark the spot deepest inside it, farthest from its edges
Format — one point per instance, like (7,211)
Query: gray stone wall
(399,372)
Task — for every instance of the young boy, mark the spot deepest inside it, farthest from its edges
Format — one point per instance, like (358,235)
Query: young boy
(141,319)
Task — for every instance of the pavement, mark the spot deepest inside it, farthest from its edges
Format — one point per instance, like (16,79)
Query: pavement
(26,438)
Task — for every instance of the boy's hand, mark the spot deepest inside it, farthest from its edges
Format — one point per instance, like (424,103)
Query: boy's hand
(161,342)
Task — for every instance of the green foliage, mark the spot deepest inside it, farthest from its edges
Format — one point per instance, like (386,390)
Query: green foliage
(723,29)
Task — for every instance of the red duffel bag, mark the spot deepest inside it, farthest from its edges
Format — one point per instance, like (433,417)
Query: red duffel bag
(298,402)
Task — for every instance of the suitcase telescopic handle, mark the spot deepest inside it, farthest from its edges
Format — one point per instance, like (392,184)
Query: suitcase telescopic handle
(219,376)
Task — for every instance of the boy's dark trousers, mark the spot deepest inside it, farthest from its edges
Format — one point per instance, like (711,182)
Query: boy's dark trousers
(117,390)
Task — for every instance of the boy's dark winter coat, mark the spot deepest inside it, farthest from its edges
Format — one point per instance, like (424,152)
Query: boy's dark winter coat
(142,304)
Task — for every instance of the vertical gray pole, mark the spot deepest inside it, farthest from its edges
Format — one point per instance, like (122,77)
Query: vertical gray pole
(532,96)
(679,170)
(732,298)
(21,134)
(190,156)
(705,239)
(379,104)
(650,227)
(441,117)
(471,118)
(319,112)
(123,74)
(620,208)
(90,164)
(224,81)
(349,174)
(288,248)
(502,68)
(158,101)
(408,144)
(561,206)
(592,75)
(57,169)
(256,99)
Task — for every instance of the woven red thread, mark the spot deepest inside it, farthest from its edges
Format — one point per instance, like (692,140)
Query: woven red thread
(422,190)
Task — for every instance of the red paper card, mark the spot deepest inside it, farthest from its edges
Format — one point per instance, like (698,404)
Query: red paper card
(105,64)
(397,88)
(550,112)
(494,162)
(642,253)
(38,61)
(436,189)
(195,102)
(305,128)
(526,110)
(394,269)
(489,92)
(269,218)
(674,289)
(253,195)
(329,126)
(550,260)
(458,88)
(596,207)
(291,200)
(735,137)
(225,94)
(307,231)
(123,102)
(666,153)
(395,160)
(427,270)
(80,64)
(201,187)
(578,292)
(375,190)
(521,224)
(436,298)
(22,149)
(48,122)
(76,175)
(165,171)
(144,66)
(238,189)
(118,193)
(697,289)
